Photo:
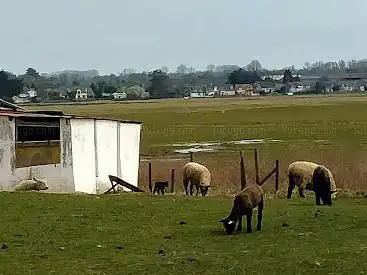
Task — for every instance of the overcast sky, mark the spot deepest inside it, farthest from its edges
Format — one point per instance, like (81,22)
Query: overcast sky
(109,35)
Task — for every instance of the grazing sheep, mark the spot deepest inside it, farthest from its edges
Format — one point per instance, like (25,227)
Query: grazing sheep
(33,184)
(322,185)
(197,175)
(300,174)
(160,186)
(243,204)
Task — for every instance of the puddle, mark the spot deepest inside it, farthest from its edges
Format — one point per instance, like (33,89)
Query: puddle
(187,151)
(195,144)
(247,141)
(211,146)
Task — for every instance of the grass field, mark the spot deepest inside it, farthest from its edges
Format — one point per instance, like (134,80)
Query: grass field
(123,234)
(327,129)
(141,233)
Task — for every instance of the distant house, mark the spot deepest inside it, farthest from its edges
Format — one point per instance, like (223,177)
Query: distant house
(267,87)
(245,89)
(25,97)
(83,93)
(227,93)
(200,93)
(119,95)
(197,94)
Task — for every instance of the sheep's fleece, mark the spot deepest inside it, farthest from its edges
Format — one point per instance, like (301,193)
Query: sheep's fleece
(197,174)
(33,184)
(305,169)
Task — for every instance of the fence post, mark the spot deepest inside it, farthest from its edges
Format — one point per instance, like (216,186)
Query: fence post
(172,180)
(242,172)
(276,175)
(191,156)
(256,167)
(150,177)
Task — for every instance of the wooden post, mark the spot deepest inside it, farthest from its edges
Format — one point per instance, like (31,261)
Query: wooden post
(172,180)
(242,172)
(256,167)
(276,175)
(191,156)
(150,177)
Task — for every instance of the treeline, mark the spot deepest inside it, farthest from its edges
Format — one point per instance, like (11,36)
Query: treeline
(161,83)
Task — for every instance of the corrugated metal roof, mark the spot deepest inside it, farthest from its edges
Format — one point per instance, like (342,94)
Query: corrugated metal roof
(10,113)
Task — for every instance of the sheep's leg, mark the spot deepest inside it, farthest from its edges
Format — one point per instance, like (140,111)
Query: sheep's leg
(239,227)
(197,190)
(301,191)
(162,190)
(326,196)
(186,184)
(317,195)
(290,190)
(291,186)
(260,215)
(191,189)
(155,189)
(249,220)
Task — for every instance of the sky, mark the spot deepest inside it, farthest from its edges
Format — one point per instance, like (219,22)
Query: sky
(112,35)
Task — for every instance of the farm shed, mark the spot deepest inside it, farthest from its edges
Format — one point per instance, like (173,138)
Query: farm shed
(73,153)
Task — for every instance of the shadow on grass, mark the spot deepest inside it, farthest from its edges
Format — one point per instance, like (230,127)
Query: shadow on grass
(217,232)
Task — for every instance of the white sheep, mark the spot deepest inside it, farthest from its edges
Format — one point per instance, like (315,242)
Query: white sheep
(300,174)
(33,184)
(197,175)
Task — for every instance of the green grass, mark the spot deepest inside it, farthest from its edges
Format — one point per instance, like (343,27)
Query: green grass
(35,227)
(341,119)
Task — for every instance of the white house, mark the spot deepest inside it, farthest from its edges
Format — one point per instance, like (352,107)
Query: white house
(81,94)
(228,93)
(73,153)
(119,95)
(25,97)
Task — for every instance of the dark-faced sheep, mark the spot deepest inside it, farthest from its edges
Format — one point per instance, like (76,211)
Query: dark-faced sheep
(30,185)
(300,174)
(322,185)
(198,176)
(243,204)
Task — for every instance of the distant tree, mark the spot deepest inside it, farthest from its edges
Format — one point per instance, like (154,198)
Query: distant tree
(135,92)
(320,84)
(226,68)
(128,71)
(159,86)
(210,68)
(75,83)
(110,89)
(191,70)
(287,77)
(165,69)
(9,85)
(96,91)
(32,72)
(242,76)
(182,69)
(254,66)
(336,88)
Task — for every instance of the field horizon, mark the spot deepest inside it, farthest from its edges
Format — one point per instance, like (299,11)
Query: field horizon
(328,129)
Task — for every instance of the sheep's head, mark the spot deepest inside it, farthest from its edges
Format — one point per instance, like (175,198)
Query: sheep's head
(229,225)
(41,184)
(204,189)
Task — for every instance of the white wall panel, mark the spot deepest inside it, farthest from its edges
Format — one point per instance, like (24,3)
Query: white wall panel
(83,150)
